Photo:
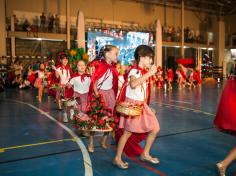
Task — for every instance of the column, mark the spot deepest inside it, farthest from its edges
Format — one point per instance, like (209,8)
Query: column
(68,23)
(182,30)
(2,28)
(13,40)
(220,45)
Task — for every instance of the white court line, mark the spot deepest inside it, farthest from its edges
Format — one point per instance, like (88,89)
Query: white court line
(87,161)
(182,107)
(185,102)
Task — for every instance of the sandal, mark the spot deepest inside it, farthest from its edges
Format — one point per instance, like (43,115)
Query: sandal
(123,165)
(103,145)
(221,169)
(149,159)
(90,148)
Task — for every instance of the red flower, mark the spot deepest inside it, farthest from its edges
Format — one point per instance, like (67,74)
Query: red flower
(95,103)
(116,120)
(112,125)
(95,116)
(100,122)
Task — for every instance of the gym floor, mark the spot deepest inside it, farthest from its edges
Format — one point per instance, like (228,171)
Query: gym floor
(35,141)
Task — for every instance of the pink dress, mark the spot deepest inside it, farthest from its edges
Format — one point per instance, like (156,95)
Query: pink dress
(147,121)
(39,80)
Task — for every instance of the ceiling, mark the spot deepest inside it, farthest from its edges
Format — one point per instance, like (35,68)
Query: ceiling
(217,7)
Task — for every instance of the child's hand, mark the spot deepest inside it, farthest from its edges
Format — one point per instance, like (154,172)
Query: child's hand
(152,70)
(53,67)
(68,85)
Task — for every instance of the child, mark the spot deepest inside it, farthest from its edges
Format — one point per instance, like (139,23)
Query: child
(39,82)
(191,78)
(63,73)
(137,90)
(80,82)
(170,78)
(159,77)
(104,81)
(181,77)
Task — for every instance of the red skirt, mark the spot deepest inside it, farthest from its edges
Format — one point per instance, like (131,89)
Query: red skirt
(226,113)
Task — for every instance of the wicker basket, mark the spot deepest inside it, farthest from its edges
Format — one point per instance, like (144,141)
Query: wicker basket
(129,109)
(55,87)
(69,102)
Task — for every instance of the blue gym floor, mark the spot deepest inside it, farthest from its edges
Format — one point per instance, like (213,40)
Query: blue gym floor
(32,144)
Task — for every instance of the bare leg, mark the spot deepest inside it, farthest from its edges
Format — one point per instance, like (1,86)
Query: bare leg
(149,141)
(223,165)
(104,140)
(40,94)
(120,147)
(90,142)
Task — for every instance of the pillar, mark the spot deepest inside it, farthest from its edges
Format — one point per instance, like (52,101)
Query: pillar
(2,28)
(220,45)
(68,23)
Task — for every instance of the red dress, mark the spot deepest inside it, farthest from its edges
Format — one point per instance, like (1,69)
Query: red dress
(226,113)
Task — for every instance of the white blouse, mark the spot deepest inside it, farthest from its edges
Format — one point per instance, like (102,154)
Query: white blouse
(64,76)
(139,93)
(40,74)
(106,80)
(79,86)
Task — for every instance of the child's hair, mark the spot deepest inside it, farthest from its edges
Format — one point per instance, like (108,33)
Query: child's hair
(106,49)
(82,60)
(143,51)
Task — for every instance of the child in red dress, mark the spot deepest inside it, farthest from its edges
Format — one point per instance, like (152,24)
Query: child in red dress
(226,120)
(104,82)
(159,78)
(136,91)
(170,78)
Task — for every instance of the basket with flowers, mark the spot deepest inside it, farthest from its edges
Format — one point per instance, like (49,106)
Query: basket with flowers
(100,119)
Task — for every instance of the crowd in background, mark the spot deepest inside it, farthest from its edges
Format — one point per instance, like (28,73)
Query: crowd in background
(51,23)
(43,23)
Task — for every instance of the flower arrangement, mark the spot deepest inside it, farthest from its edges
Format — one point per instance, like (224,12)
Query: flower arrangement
(75,55)
(101,119)
(49,65)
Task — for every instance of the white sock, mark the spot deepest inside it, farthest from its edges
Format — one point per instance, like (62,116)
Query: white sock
(72,112)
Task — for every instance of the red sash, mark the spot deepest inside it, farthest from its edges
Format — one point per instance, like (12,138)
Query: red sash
(81,75)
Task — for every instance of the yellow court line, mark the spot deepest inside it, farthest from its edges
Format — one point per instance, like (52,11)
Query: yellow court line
(34,144)
(182,107)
